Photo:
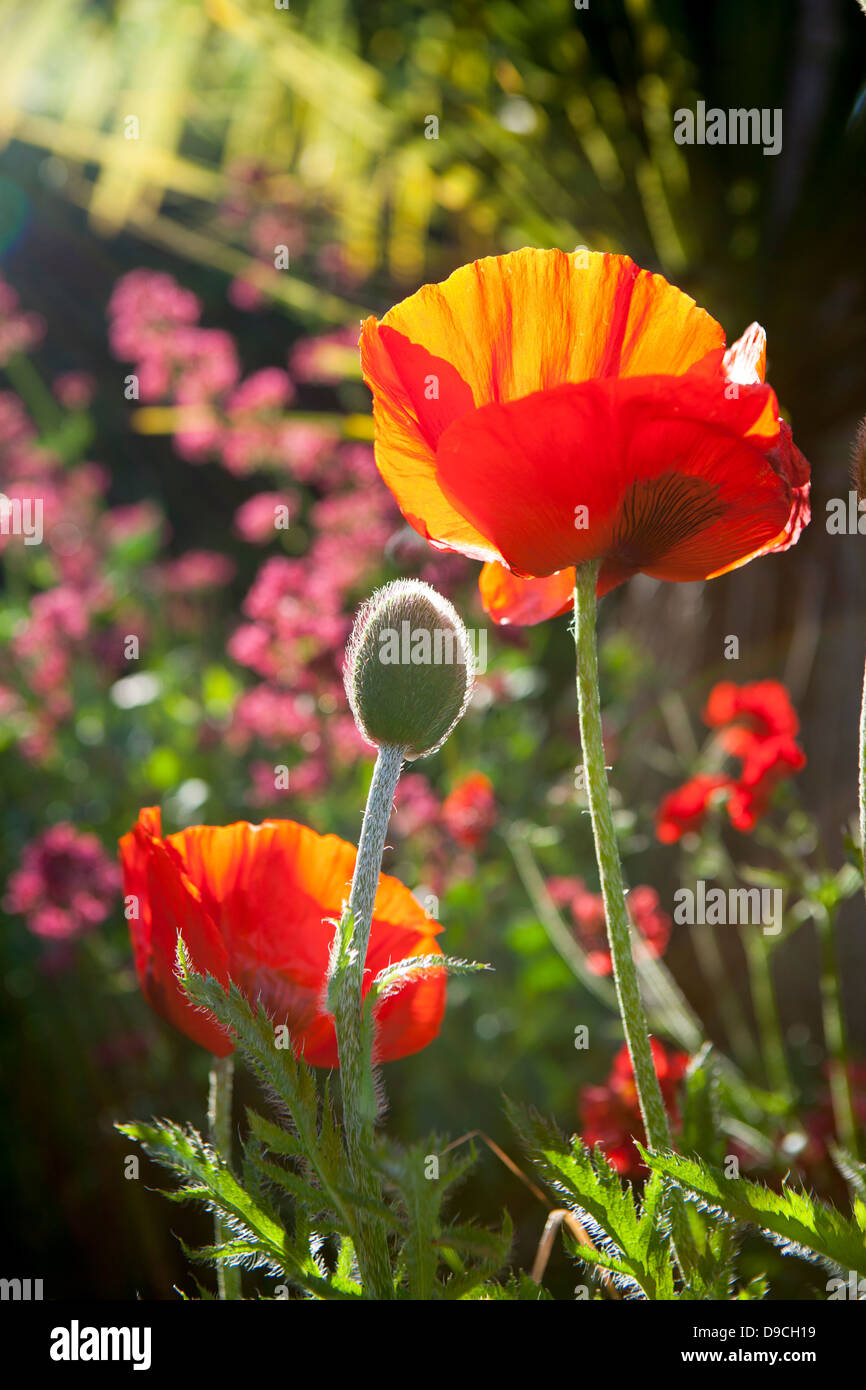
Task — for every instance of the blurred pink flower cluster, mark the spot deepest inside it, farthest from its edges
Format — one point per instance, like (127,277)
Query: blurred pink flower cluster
(297,618)
(76,610)
(326,490)
(65,884)
(587,913)
(243,423)
(19,331)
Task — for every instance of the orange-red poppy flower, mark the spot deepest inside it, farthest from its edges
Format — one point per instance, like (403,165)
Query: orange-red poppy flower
(610,1114)
(469,810)
(765,706)
(253,904)
(538,410)
(757,725)
(685,809)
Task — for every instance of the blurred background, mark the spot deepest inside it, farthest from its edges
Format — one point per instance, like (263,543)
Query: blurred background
(209,197)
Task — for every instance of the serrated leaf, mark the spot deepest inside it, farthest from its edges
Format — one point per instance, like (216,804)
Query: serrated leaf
(585,1182)
(797,1222)
(206,1177)
(394,977)
(283,1075)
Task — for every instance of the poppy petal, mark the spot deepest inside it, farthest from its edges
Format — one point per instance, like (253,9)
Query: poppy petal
(745,361)
(509,599)
(505,327)
(652,473)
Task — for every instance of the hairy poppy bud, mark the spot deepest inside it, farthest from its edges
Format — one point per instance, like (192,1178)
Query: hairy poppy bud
(409,668)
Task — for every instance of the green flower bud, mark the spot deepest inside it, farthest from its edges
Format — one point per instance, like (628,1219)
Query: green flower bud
(409,668)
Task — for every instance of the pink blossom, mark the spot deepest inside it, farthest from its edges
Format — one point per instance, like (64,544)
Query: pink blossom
(197,570)
(75,390)
(145,307)
(270,389)
(304,448)
(122,524)
(65,883)
(416,805)
(274,716)
(256,519)
(19,332)
(245,295)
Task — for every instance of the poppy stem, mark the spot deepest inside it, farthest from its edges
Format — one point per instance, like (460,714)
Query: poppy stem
(652,1108)
(354,1034)
(219,1118)
(610,871)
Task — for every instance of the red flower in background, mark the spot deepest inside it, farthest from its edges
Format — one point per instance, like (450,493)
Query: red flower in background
(820,1127)
(610,1114)
(766,763)
(763,706)
(685,809)
(538,410)
(587,910)
(758,725)
(252,903)
(469,811)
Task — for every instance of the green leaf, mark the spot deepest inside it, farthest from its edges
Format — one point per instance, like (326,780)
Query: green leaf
(206,1177)
(798,1223)
(284,1077)
(756,1288)
(632,1244)
(418,1188)
(492,1246)
(418,1200)
(392,979)
(854,1173)
(517,1288)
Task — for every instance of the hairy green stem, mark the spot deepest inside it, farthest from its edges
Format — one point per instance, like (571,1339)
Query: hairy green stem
(610,871)
(354,1035)
(625,974)
(219,1117)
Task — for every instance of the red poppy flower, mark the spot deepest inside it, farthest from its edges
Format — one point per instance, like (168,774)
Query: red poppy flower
(685,809)
(523,602)
(469,811)
(763,741)
(766,762)
(610,1114)
(537,410)
(765,705)
(253,904)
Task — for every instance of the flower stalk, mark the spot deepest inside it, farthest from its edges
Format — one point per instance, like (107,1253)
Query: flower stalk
(219,1116)
(625,974)
(354,1033)
(610,871)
